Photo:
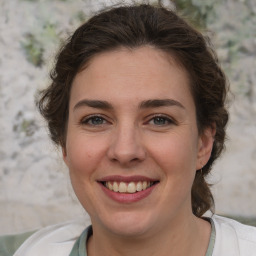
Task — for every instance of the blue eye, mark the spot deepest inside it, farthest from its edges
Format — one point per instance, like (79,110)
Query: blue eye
(94,120)
(161,121)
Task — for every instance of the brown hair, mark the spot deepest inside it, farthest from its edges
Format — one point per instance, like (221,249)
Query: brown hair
(132,27)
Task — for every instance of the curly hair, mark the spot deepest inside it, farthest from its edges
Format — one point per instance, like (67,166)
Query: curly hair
(133,27)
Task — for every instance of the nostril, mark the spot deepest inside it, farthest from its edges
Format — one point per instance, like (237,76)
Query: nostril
(125,158)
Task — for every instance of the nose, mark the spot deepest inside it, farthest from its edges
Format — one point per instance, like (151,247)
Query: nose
(126,147)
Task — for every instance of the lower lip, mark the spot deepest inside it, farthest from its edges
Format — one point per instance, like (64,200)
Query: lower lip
(127,197)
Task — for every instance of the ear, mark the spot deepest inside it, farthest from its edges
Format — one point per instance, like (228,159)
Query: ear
(205,144)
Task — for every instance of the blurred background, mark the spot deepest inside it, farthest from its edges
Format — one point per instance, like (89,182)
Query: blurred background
(34,183)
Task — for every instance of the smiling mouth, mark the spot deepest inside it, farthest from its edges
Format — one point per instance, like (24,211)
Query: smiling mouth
(128,187)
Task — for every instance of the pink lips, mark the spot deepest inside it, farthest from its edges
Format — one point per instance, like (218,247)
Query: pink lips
(126,197)
(125,178)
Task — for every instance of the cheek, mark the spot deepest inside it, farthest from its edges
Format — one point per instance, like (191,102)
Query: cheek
(83,157)
(176,152)
(83,154)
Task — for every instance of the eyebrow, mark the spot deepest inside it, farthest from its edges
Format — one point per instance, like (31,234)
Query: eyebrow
(156,103)
(93,104)
(153,103)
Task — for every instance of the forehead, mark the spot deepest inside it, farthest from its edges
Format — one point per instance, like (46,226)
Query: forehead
(126,74)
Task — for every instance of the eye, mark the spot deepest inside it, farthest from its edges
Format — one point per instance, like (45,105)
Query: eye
(160,120)
(94,121)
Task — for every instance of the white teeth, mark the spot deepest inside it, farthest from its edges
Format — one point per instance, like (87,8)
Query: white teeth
(144,185)
(139,186)
(122,187)
(109,185)
(115,187)
(130,187)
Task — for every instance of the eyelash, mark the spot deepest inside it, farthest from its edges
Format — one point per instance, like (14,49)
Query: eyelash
(88,119)
(164,118)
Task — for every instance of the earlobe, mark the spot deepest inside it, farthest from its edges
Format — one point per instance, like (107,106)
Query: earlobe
(205,145)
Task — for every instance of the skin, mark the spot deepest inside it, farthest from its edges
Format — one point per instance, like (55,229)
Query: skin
(128,138)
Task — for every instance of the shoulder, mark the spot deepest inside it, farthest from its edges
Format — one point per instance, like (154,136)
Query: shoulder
(10,243)
(56,240)
(233,237)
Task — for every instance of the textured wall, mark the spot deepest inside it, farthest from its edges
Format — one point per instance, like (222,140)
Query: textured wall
(34,187)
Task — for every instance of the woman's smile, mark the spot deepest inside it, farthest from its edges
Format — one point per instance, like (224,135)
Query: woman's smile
(127,189)
(132,122)
(127,184)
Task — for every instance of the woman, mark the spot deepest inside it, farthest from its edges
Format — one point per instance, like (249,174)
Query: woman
(137,104)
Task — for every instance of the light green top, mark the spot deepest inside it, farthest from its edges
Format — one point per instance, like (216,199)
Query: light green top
(10,243)
(212,239)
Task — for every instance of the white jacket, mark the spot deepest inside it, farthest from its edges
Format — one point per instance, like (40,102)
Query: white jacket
(232,239)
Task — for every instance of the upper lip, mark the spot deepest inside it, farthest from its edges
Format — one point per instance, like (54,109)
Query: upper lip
(120,178)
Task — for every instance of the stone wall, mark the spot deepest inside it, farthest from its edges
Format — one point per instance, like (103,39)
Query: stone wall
(34,186)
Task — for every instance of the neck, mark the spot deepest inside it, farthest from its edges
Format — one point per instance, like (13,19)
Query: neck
(189,236)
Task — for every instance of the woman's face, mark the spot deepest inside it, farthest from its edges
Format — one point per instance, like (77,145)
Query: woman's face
(132,143)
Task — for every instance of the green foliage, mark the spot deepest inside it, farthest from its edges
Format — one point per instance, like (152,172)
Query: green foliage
(34,44)
(39,0)
(236,34)
(81,16)
(33,50)
(196,11)
(49,31)
(25,126)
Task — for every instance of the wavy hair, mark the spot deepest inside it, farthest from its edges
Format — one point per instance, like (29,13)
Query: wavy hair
(133,27)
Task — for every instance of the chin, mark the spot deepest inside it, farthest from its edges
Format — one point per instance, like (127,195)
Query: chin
(129,224)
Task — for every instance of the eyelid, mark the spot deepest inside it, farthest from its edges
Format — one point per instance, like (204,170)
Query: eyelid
(171,120)
(84,120)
